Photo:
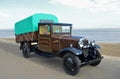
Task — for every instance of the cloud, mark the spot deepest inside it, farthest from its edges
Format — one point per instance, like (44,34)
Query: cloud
(3,15)
(91,5)
(73,3)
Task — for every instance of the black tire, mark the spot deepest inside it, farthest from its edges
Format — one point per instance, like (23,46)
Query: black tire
(98,55)
(26,51)
(71,64)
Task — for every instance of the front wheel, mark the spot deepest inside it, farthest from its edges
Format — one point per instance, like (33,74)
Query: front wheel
(71,64)
(97,55)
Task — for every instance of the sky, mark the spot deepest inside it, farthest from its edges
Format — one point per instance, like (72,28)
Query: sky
(83,14)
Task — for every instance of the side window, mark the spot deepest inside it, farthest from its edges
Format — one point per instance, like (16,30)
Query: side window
(57,29)
(44,30)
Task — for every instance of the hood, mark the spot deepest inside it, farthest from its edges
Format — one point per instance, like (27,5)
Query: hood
(77,37)
(64,41)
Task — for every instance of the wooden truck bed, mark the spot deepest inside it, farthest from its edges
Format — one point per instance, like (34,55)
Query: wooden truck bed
(31,36)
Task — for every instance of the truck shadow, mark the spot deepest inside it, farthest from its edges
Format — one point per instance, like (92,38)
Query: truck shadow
(54,63)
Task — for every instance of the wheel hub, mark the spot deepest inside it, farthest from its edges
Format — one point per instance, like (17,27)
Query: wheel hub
(70,64)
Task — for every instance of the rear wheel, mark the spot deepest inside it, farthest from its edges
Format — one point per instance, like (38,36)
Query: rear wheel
(97,55)
(26,51)
(71,64)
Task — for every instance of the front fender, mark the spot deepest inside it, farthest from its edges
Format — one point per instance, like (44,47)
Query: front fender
(97,46)
(73,50)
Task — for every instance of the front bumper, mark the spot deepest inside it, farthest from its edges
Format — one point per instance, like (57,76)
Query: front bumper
(91,61)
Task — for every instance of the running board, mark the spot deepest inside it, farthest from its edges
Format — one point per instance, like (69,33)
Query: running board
(41,53)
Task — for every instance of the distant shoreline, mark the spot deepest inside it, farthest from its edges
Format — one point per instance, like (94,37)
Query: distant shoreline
(105,35)
(8,39)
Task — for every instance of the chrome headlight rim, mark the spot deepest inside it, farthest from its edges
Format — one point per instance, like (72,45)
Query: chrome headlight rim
(81,43)
(92,42)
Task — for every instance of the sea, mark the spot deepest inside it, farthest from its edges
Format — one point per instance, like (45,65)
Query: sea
(107,35)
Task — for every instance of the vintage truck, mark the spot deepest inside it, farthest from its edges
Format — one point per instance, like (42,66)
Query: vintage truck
(44,35)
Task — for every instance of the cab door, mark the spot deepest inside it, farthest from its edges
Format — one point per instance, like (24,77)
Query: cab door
(55,43)
(44,38)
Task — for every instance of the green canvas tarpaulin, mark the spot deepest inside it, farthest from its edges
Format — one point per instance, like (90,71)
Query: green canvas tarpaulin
(30,24)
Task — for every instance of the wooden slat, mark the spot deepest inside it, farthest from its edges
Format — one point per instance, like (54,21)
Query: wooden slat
(27,37)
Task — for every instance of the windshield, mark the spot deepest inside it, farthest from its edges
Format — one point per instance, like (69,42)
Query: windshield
(61,29)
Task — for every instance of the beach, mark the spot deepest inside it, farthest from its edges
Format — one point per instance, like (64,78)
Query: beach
(110,49)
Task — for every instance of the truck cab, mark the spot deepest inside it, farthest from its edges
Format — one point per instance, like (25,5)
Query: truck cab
(51,34)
